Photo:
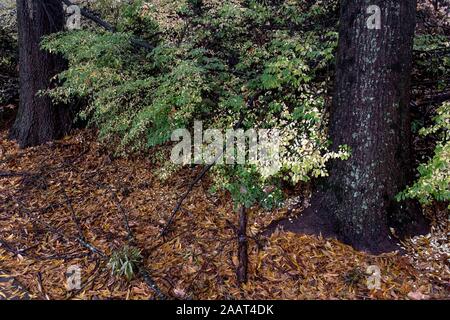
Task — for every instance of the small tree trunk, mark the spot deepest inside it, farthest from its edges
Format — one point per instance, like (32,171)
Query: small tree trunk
(38,120)
(241,272)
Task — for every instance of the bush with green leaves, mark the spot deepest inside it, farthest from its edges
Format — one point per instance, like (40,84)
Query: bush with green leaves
(434,179)
(431,75)
(208,63)
(9,86)
(432,61)
(211,58)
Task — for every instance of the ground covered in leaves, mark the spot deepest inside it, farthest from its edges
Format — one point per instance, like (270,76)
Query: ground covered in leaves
(51,194)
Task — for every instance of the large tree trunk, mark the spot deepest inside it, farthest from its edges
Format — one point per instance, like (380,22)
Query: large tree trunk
(370,114)
(38,120)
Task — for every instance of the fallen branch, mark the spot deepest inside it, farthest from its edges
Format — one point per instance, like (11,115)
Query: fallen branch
(92,278)
(188,191)
(142,271)
(150,282)
(123,213)
(50,228)
(8,247)
(74,217)
(41,287)
(22,253)
(121,209)
(8,174)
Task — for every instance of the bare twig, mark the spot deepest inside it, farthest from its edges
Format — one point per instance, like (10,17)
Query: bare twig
(50,228)
(119,206)
(73,215)
(8,247)
(188,191)
(41,286)
(123,213)
(93,277)
(22,252)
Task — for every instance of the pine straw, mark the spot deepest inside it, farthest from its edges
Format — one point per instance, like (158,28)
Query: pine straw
(198,257)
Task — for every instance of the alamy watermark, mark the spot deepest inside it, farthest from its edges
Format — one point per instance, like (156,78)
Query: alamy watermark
(73,20)
(234,146)
(374,279)
(73,278)
(373,22)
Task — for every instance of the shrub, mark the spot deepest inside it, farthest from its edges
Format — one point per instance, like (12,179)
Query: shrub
(434,179)
(124,262)
(206,65)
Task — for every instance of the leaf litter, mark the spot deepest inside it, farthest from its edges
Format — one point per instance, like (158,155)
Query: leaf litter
(197,259)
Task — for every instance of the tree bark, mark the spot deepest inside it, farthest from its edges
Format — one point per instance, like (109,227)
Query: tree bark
(38,120)
(370,114)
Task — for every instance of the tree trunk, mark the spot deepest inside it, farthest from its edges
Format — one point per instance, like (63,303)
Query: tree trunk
(38,120)
(241,271)
(370,114)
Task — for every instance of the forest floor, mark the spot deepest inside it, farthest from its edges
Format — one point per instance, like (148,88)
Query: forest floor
(52,193)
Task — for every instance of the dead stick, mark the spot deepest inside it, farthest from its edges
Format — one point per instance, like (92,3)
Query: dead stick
(49,227)
(22,252)
(8,174)
(8,247)
(120,208)
(73,215)
(142,271)
(151,283)
(41,287)
(124,215)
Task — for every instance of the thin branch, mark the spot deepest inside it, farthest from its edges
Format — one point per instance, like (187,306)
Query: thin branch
(50,228)
(436,99)
(107,26)
(123,213)
(22,252)
(41,287)
(204,171)
(119,207)
(9,174)
(73,215)
(142,271)
(188,191)
(151,283)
